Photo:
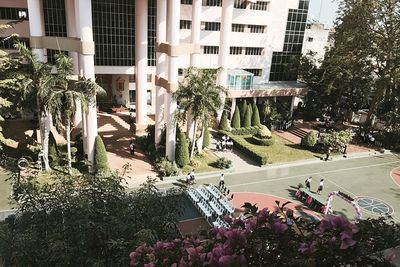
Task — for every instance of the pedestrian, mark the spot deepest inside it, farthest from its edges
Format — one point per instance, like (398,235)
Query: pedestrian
(218,146)
(321,186)
(188,178)
(308,183)
(192,176)
(132,148)
(328,154)
(223,145)
(221,180)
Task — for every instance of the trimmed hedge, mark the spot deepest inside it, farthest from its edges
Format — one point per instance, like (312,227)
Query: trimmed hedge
(182,151)
(255,118)
(310,139)
(236,119)
(247,117)
(223,124)
(244,147)
(246,130)
(100,157)
(263,141)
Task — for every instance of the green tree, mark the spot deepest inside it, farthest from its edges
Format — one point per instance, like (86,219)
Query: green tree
(200,94)
(255,118)
(85,220)
(236,119)
(182,151)
(243,110)
(247,118)
(100,157)
(223,124)
(206,139)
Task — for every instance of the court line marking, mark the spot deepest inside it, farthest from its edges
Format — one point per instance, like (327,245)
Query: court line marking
(391,176)
(307,174)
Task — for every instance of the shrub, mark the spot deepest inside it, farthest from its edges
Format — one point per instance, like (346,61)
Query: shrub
(255,118)
(206,139)
(310,139)
(223,163)
(264,133)
(223,124)
(195,163)
(247,117)
(236,119)
(246,149)
(100,156)
(263,141)
(54,156)
(182,151)
(243,109)
(336,140)
(167,168)
(246,130)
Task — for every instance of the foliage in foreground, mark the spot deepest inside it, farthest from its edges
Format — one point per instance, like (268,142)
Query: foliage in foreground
(84,221)
(268,238)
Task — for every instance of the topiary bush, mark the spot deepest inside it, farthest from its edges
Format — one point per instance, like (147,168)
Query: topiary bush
(243,109)
(310,139)
(54,154)
(246,130)
(255,118)
(236,119)
(247,117)
(223,163)
(223,124)
(264,132)
(166,168)
(263,141)
(182,151)
(100,157)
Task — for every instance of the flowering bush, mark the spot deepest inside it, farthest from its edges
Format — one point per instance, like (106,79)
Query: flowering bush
(276,239)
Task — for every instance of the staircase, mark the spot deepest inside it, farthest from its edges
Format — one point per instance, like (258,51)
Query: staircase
(297,132)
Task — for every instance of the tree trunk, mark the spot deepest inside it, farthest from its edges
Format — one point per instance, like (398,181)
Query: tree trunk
(372,107)
(193,139)
(68,135)
(45,129)
(201,140)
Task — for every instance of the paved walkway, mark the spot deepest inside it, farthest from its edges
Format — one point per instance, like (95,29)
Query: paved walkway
(116,133)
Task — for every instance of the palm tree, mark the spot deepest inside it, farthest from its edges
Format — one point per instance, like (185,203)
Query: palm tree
(200,95)
(61,97)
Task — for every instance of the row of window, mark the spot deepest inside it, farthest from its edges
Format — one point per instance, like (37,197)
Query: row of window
(234,50)
(216,26)
(240,4)
(10,43)
(10,13)
(132,78)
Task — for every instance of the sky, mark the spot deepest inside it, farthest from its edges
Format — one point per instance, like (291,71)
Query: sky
(323,11)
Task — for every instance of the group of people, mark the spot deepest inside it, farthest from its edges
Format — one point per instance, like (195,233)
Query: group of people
(225,144)
(320,186)
(190,177)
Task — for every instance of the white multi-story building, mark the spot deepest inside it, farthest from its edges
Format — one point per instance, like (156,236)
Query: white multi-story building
(137,49)
(317,39)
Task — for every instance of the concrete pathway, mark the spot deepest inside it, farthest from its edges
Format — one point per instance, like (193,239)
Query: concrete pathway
(117,133)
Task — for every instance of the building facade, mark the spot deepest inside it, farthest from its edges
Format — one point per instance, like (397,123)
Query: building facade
(317,39)
(137,49)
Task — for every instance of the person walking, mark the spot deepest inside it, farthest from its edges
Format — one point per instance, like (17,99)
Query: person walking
(192,176)
(308,183)
(328,154)
(321,186)
(132,148)
(221,180)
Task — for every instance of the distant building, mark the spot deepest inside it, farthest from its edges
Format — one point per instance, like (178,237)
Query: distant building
(317,39)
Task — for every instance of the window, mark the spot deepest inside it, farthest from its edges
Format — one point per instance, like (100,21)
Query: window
(149,78)
(180,72)
(132,78)
(186,2)
(260,5)
(11,13)
(241,4)
(256,28)
(235,50)
(310,39)
(212,2)
(210,49)
(212,26)
(9,43)
(132,97)
(253,51)
(151,32)
(185,24)
(237,27)
(256,72)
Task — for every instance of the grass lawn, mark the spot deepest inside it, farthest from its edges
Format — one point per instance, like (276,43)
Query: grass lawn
(281,151)
(206,159)
(5,190)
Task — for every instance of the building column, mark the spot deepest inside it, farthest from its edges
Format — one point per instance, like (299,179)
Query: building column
(141,45)
(233,107)
(194,57)
(160,68)
(224,43)
(71,32)
(36,26)
(292,103)
(173,17)
(84,12)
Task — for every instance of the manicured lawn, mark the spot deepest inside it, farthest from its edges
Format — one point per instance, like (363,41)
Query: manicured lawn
(206,159)
(281,151)
(5,190)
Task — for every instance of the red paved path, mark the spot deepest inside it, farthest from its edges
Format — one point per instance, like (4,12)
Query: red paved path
(396,175)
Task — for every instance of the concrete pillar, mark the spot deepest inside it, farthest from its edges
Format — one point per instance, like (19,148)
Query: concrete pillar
(194,57)
(224,43)
(36,26)
(141,45)
(255,100)
(233,107)
(173,17)
(161,67)
(84,12)
(292,103)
